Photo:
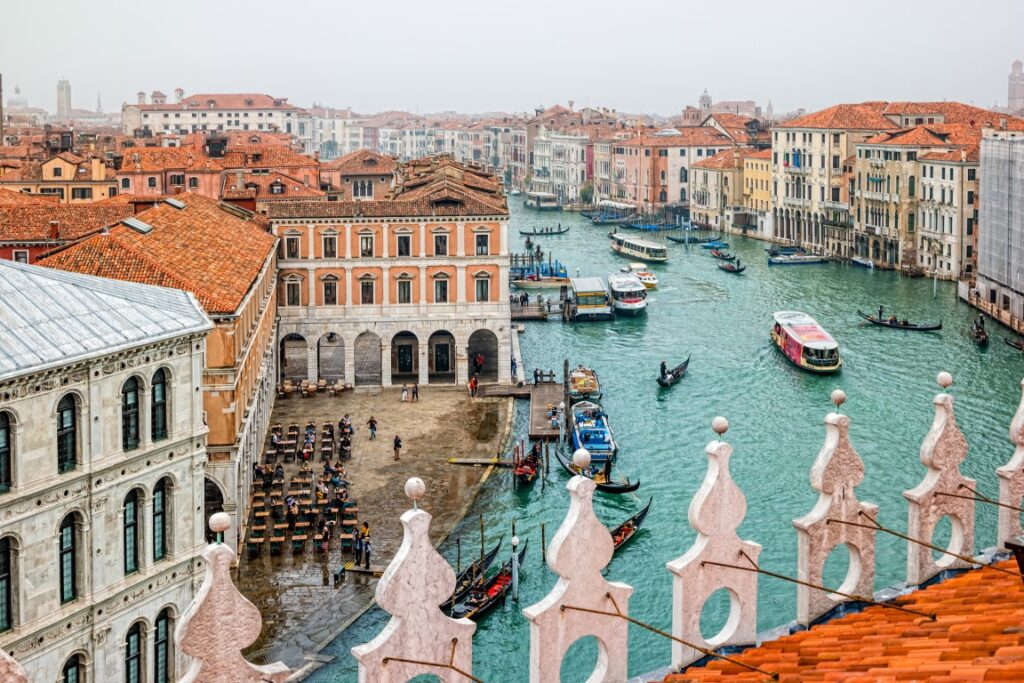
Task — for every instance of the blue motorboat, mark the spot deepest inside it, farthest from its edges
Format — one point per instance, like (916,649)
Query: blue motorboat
(590,430)
(715,244)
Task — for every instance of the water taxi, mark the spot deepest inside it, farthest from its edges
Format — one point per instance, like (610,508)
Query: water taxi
(590,430)
(645,250)
(588,300)
(541,201)
(629,295)
(796,260)
(584,385)
(649,279)
(862,262)
(803,341)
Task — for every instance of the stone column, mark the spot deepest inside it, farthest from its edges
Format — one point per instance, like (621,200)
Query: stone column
(385,363)
(460,284)
(423,240)
(145,529)
(312,366)
(348,240)
(460,239)
(350,360)
(424,359)
(461,366)
(385,287)
(348,287)
(503,238)
(384,241)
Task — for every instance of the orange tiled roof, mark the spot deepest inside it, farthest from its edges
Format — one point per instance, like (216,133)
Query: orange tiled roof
(760,154)
(270,155)
(31,223)
(688,136)
(202,249)
(951,112)
(225,101)
(362,162)
(12,198)
(258,186)
(863,116)
(160,159)
(978,634)
(726,159)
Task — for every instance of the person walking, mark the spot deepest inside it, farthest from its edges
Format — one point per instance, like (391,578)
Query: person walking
(473,383)
(372,424)
(367,550)
(357,545)
(405,393)
(415,392)
(398,447)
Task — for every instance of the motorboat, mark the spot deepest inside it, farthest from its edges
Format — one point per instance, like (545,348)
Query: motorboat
(649,279)
(628,293)
(805,343)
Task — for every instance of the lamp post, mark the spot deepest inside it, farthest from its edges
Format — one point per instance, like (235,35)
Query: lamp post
(561,422)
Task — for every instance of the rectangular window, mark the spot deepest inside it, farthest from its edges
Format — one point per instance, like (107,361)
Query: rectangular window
(68,589)
(57,171)
(440,245)
(404,243)
(440,291)
(159,524)
(291,247)
(330,293)
(366,245)
(20,256)
(293,293)
(483,289)
(483,243)
(330,246)
(131,556)
(81,193)
(971,174)
(366,292)
(404,291)
(5,585)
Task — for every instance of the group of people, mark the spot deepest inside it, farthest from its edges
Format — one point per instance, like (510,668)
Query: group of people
(363,546)
(406,394)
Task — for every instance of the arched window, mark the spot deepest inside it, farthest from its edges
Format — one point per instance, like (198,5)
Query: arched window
(130,527)
(67,559)
(158,407)
(369,188)
(72,671)
(162,648)
(133,654)
(160,494)
(130,414)
(6,451)
(6,585)
(682,175)
(67,437)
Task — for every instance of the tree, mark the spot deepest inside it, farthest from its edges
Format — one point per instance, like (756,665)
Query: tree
(587,193)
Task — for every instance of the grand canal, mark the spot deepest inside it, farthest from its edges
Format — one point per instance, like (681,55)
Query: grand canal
(775,412)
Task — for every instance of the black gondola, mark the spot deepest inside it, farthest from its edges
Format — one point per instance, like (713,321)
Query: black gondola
(486,596)
(731,268)
(675,374)
(624,533)
(471,576)
(723,255)
(900,324)
(1015,343)
(979,335)
(610,487)
(526,469)
(542,232)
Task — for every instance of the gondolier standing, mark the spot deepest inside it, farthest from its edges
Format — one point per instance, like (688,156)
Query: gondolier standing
(664,370)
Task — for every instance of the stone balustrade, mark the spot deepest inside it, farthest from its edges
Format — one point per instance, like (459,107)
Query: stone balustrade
(420,639)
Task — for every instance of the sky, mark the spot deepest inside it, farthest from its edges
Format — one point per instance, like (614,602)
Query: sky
(652,56)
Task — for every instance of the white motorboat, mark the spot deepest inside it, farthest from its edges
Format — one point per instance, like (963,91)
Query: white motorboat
(649,279)
(628,293)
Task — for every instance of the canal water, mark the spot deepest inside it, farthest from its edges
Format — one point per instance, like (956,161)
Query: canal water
(775,413)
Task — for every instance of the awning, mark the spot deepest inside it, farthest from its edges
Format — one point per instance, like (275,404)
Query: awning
(615,205)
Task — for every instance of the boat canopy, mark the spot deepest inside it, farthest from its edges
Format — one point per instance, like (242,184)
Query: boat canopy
(542,195)
(806,330)
(625,282)
(609,204)
(587,285)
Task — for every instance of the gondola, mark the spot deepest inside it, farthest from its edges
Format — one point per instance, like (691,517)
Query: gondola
(543,232)
(624,533)
(472,575)
(526,470)
(723,256)
(979,335)
(731,268)
(680,240)
(481,599)
(1015,343)
(610,487)
(901,324)
(675,374)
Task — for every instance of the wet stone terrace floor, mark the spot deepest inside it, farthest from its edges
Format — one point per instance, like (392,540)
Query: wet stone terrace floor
(294,591)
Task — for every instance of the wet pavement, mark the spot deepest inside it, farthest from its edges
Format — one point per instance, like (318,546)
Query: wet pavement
(301,608)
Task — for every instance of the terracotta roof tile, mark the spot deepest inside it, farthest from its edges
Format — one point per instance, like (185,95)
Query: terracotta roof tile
(202,249)
(726,159)
(31,223)
(362,162)
(863,116)
(12,198)
(259,186)
(160,159)
(688,136)
(978,634)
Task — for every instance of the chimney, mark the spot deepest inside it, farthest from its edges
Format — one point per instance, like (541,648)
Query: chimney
(97,169)
(54,230)
(141,97)
(179,95)
(239,179)
(1002,123)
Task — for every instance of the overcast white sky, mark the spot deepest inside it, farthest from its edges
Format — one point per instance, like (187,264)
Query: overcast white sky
(651,56)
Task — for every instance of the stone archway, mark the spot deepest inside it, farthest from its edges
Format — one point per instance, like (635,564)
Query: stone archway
(483,343)
(441,357)
(367,354)
(294,357)
(330,357)
(405,358)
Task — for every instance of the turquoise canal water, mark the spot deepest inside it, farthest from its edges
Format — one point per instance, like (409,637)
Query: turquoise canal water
(775,413)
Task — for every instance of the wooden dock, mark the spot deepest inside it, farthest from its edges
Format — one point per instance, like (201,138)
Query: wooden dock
(535,311)
(541,396)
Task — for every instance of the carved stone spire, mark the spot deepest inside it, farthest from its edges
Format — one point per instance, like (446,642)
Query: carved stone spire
(1011,480)
(10,670)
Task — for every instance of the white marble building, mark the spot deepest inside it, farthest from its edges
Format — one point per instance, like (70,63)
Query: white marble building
(102,450)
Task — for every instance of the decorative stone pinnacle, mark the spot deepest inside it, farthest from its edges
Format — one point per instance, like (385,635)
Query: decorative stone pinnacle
(415,489)
(220,522)
(515,541)
(944,380)
(581,458)
(720,425)
(838,397)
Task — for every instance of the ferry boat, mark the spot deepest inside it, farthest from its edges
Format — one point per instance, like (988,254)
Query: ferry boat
(649,279)
(803,341)
(645,250)
(541,201)
(583,385)
(589,300)
(629,295)
(590,430)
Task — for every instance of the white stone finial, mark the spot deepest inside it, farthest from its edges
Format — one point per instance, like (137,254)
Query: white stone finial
(944,380)
(835,474)
(417,581)
(838,397)
(1011,480)
(515,541)
(943,492)
(220,623)
(415,488)
(579,550)
(720,425)
(581,458)
(10,670)
(716,511)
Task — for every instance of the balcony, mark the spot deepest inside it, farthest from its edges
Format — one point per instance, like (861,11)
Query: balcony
(796,201)
(878,196)
(796,170)
(836,206)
